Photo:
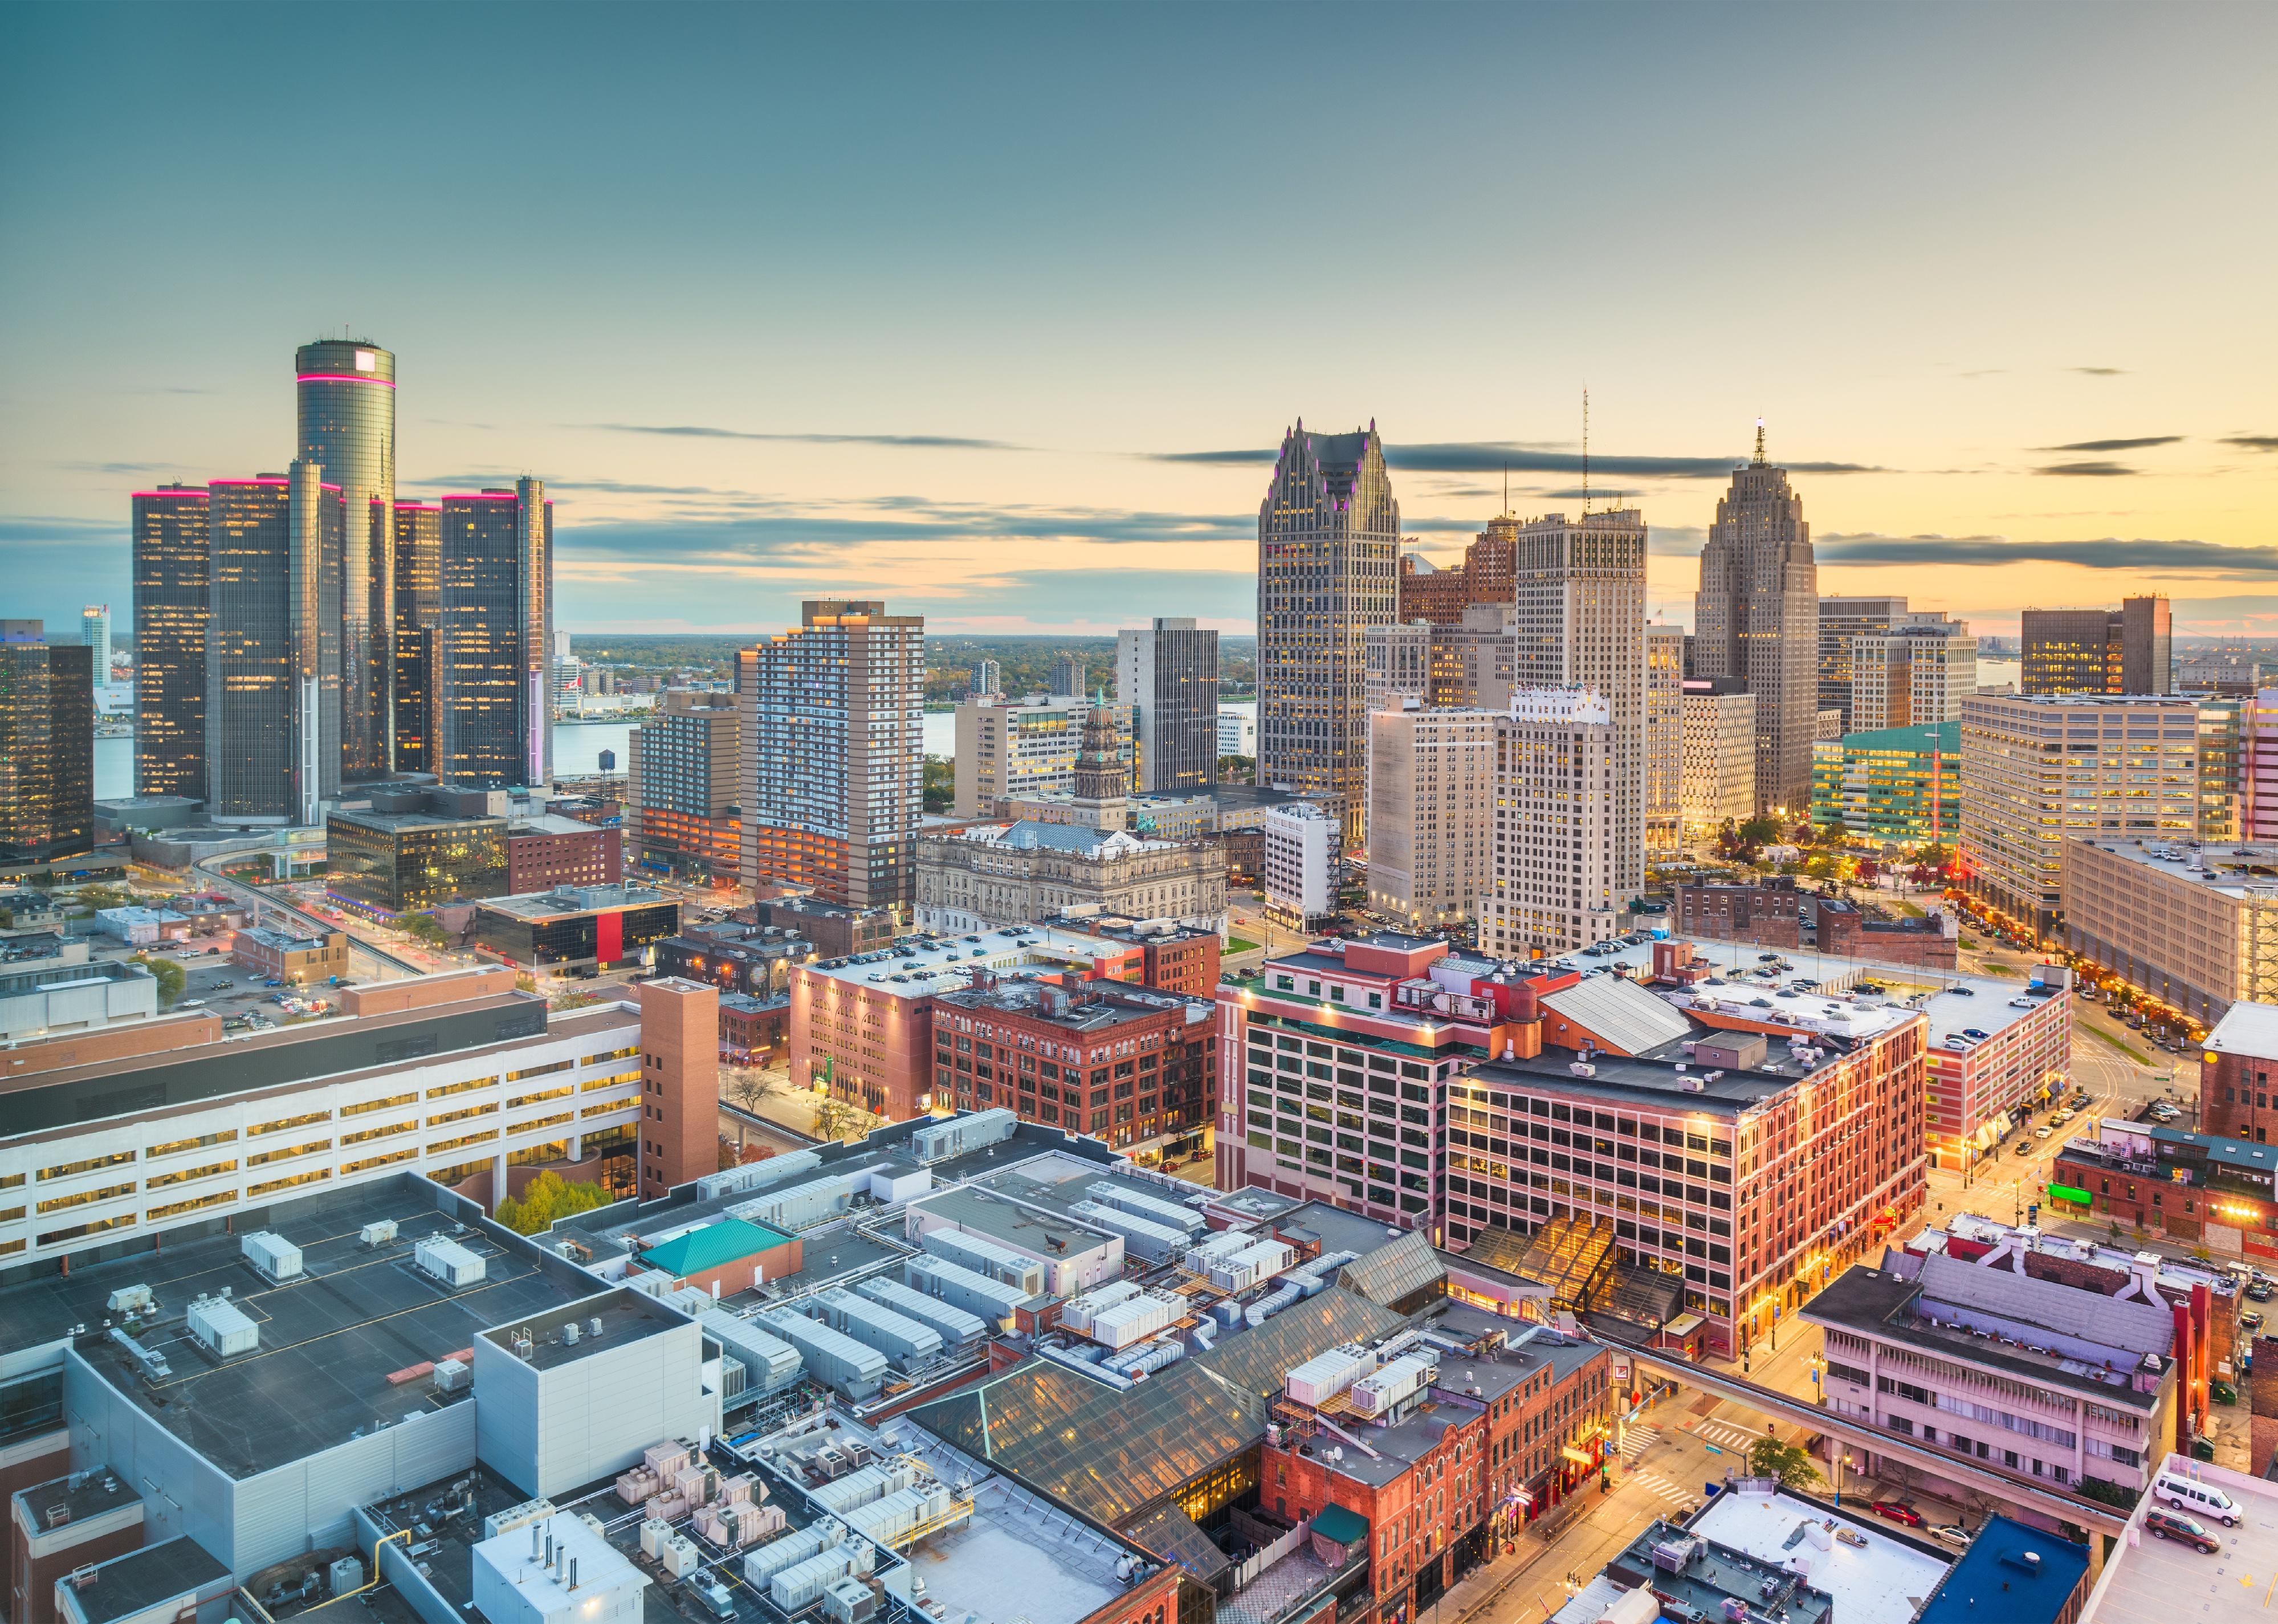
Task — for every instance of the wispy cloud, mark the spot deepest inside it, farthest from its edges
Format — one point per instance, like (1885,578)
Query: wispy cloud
(2088,471)
(2178,555)
(120,467)
(1492,456)
(2252,442)
(919,442)
(2134,445)
(2100,372)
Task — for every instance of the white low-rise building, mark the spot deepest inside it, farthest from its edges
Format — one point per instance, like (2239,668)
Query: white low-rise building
(1302,849)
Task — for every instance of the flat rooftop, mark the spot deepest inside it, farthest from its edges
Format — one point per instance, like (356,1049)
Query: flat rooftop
(1883,1581)
(329,1339)
(143,1579)
(1018,1553)
(1100,1006)
(920,966)
(576,900)
(397,823)
(624,1316)
(2150,1581)
(1994,1578)
(1715,1571)
(1045,1231)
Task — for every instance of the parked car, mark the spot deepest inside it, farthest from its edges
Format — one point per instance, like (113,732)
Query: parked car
(1973,1032)
(2249,1318)
(2024,1148)
(2040,1133)
(2259,1291)
(1951,1534)
(2184,1530)
(1900,1513)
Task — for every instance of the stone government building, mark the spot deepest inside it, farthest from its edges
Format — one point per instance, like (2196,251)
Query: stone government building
(980,876)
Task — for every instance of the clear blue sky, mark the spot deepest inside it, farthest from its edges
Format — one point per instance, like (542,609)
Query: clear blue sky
(2014,262)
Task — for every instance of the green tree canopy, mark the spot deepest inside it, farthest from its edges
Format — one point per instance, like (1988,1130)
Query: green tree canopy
(1767,1457)
(549,1196)
(171,977)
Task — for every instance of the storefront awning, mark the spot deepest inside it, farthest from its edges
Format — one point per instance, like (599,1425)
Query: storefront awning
(1576,1456)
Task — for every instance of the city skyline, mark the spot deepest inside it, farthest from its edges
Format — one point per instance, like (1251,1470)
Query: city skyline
(1062,409)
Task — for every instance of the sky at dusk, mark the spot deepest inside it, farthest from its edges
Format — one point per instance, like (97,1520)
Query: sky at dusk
(1000,313)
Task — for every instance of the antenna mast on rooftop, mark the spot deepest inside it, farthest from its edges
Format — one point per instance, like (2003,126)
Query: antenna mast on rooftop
(1585,452)
(1759,442)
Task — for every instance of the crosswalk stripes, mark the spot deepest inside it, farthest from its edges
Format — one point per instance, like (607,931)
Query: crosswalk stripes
(1638,1440)
(1724,1434)
(1655,1483)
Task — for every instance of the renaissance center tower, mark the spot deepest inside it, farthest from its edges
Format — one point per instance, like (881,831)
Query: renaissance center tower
(346,390)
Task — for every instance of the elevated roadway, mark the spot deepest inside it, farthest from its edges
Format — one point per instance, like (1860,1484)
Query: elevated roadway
(2046,1499)
(377,964)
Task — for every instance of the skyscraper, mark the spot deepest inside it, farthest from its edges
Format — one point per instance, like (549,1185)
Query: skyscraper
(1167,674)
(1757,618)
(1664,740)
(1560,797)
(174,568)
(2129,650)
(986,679)
(1067,677)
(47,746)
(273,645)
(494,660)
(94,631)
(1328,558)
(1918,672)
(1840,619)
(419,622)
(346,401)
(832,753)
(1578,621)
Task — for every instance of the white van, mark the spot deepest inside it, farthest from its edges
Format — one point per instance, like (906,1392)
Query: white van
(2200,1499)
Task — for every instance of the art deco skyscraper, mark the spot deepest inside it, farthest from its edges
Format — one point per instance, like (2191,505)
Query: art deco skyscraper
(273,645)
(832,754)
(347,399)
(418,622)
(1328,560)
(173,586)
(1576,621)
(47,746)
(1664,740)
(1757,619)
(494,651)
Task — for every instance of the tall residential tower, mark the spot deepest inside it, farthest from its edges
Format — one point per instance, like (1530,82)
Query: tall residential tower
(346,399)
(1328,558)
(1757,618)
(494,658)
(173,567)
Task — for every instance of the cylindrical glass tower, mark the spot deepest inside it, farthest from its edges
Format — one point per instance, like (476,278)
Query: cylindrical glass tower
(346,391)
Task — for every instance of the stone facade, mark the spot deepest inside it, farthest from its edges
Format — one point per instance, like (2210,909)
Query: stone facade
(982,877)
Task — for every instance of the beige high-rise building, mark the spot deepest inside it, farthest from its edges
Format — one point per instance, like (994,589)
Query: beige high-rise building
(1718,766)
(1916,673)
(2040,771)
(1328,554)
(1007,748)
(1559,816)
(1757,619)
(1840,619)
(1399,664)
(1431,814)
(1578,621)
(1664,741)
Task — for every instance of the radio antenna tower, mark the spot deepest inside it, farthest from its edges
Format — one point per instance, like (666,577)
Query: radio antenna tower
(1759,442)
(1585,453)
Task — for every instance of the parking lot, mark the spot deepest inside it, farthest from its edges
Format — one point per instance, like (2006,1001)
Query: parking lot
(243,1000)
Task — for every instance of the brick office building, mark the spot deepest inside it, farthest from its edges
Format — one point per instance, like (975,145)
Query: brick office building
(548,850)
(2237,1100)
(1768,914)
(1933,941)
(1173,958)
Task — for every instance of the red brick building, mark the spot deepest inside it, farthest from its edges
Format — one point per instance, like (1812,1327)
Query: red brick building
(1769,914)
(2237,1062)
(1173,959)
(1846,932)
(544,853)
(680,1083)
(62,1524)
(1490,1439)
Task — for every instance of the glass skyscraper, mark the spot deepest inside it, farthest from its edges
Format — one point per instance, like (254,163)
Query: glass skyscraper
(346,397)
(273,645)
(47,746)
(418,617)
(174,565)
(493,654)
(1328,558)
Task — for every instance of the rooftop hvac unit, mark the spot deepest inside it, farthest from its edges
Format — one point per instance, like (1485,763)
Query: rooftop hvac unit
(271,1255)
(222,1327)
(1182,1219)
(515,1517)
(769,1362)
(858,1489)
(1377,1393)
(957,1329)
(1122,1323)
(849,1601)
(377,1234)
(1142,1236)
(785,1551)
(129,1300)
(961,1135)
(449,1262)
(835,1359)
(906,1341)
(983,1255)
(802,1206)
(1226,1243)
(993,1300)
(1325,1376)
(451,1374)
(756,1175)
(345,1576)
(1077,1313)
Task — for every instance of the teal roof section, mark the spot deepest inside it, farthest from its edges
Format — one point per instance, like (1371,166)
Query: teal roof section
(1339,1525)
(702,1250)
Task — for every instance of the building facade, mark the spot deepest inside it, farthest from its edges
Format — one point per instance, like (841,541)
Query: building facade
(1840,619)
(1578,621)
(273,646)
(1664,741)
(345,392)
(1432,813)
(2129,650)
(1012,749)
(833,761)
(1303,858)
(550,850)
(396,862)
(2039,770)
(1328,545)
(2194,930)
(418,565)
(173,585)
(1166,676)
(683,773)
(1718,754)
(1916,673)
(2236,1063)
(47,746)
(2258,766)
(497,638)
(573,927)
(980,877)
(1566,860)
(1898,786)
(1757,618)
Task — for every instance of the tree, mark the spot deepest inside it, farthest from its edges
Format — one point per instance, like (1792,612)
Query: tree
(1237,769)
(1767,1457)
(548,1197)
(748,1088)
(1761,831)
(832,1117)
(92,899)
(171,977)
(422,927)
(940,786)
